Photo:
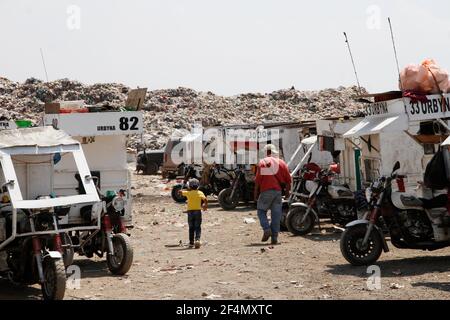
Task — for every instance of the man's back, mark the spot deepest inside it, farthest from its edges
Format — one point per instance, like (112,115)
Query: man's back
(271,173)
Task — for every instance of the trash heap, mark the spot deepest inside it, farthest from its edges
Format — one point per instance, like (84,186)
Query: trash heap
(26,100)
(169,109)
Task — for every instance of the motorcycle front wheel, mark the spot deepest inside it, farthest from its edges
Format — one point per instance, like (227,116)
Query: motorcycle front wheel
(294,221)
(285,210)
(225,200)
(353,250)
(176,196)
(54,286)
(120,262)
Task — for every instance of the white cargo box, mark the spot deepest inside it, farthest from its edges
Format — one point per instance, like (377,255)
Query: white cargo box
(103,138)
(27,158)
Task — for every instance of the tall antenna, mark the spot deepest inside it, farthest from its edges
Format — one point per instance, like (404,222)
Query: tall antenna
(395,54)
(353,62)
(43,62)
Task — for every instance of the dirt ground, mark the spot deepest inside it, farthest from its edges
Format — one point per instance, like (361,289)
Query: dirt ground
(234,264)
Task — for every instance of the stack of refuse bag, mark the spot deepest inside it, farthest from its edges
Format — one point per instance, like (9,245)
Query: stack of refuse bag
(425,78)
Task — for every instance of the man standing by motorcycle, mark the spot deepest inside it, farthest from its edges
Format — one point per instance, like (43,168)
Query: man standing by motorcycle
(272,178)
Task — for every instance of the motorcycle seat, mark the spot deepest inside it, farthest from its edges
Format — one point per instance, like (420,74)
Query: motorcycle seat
(411,201)
(436,202)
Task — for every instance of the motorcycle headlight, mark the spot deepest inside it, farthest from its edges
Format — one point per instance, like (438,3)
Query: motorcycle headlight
(368,194)
(118,203)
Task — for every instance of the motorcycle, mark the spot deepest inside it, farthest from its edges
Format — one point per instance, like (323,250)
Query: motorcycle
(411,223)
(241,189)
(218,179)
(325,200)
(35,256)
(31,239)
(301,188)
(111,238)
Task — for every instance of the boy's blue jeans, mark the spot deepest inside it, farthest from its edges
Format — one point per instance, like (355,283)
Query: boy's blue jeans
(195,225)
(270,199)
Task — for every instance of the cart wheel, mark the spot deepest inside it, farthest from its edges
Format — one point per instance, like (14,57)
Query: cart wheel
(54,285)
(151,168)
(120,262)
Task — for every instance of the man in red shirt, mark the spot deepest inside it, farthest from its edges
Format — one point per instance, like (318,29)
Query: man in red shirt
(272,176)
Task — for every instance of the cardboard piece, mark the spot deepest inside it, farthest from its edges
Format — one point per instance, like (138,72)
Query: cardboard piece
(52,107)
(135,99)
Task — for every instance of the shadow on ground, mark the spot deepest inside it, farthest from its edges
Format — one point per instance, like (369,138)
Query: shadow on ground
(397,267)
(329,234)
(240,208)
(10,291)
(93,269)
(443,286)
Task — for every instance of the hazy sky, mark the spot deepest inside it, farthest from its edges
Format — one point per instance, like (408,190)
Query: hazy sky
(227,46)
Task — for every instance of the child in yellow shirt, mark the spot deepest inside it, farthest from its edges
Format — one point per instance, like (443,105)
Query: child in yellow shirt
(196,201)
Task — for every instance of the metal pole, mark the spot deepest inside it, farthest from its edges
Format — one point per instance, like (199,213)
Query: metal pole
(43,62)
(295,154)
(353,62)
(442,122)
(395,54)
(303,160)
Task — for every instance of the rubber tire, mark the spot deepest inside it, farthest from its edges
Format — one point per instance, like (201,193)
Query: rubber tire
(358,232)
(171,176)
(224,200)
(284,212)
(125,265)
(59,279)
(175,196)
(309,222)
(283,221)
(68,254)
(151,168)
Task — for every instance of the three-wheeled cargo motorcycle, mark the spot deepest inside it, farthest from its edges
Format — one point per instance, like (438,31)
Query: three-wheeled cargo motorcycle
(32,206)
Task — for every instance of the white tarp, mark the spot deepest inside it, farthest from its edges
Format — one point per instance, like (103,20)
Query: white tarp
(372,125)
(35,137)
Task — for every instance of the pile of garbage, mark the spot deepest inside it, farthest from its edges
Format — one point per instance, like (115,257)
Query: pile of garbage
(26,100)
(170,109)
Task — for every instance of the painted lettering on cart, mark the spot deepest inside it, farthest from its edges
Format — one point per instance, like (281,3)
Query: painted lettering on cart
(436,105)
(377,108)
(4,125)
(128,123)
(106,128)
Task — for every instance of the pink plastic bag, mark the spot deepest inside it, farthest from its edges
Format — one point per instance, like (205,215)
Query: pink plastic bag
(427,78)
